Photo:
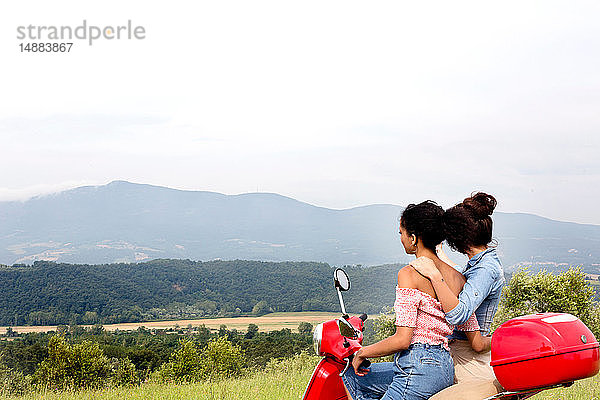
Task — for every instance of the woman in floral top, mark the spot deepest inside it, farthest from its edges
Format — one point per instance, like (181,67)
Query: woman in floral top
(422,364)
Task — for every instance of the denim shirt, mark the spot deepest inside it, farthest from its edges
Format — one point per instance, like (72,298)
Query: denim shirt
(481,293)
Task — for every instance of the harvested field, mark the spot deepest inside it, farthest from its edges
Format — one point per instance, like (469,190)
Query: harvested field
(266,323)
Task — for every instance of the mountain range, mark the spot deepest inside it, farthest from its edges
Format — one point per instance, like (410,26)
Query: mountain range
(129,222)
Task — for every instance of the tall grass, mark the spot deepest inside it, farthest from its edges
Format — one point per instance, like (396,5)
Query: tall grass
(279,380)
(286,379)
(585,389)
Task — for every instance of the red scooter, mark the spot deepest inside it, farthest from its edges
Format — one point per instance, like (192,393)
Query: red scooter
(337,341)
(529,354)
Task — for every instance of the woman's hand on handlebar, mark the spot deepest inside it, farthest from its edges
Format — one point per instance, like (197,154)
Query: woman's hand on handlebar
(426,267)
(356,362)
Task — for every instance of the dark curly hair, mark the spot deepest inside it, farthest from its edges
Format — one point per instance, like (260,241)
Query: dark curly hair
(424,220)
(469,223)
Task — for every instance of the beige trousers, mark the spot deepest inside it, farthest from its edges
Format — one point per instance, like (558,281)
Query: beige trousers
(473,377)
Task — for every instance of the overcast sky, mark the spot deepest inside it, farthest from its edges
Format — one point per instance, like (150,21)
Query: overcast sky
(336,103)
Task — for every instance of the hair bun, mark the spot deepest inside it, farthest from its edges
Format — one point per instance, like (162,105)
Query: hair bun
(481,204)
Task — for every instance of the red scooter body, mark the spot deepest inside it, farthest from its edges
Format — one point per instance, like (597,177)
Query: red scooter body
(337,350)
(325,382)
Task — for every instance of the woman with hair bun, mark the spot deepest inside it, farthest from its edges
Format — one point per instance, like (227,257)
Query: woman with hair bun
(468,230)
(422,362)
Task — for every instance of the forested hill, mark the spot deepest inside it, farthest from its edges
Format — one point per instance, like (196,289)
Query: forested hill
(48,293)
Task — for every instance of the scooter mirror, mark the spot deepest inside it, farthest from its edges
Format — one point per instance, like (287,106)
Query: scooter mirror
(342,282)
(346,329)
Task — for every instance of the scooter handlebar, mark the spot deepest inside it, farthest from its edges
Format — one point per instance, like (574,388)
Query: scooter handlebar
(364,365)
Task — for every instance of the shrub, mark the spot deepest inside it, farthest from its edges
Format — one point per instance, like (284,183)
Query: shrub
(82,366)
(261,308)
(305,328)
(384,324)
(123,372)
(566,292)
(13,383)
(72,366)
(252,331)
(221,359)
(164,374)
(218,360)
(183,365)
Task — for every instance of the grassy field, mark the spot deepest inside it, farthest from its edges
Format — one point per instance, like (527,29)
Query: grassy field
(280,380)
(585,389)
(266,323)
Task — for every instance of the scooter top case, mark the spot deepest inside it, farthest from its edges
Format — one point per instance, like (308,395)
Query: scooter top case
(546,349)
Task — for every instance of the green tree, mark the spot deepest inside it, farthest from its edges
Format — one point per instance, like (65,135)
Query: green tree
(223,330)
(567,292)
(185,363)
(13,382)
(221,359)
(218,360)
(203,333)
(72,366)
(252,331)
(305,328)
(122,372)
(261,308)
(384,324)
(97,329)
(90,317)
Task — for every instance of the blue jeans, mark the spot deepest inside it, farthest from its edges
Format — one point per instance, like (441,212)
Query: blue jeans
(418,372)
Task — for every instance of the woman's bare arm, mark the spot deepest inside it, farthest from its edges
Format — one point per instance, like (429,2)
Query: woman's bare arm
(479,343)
